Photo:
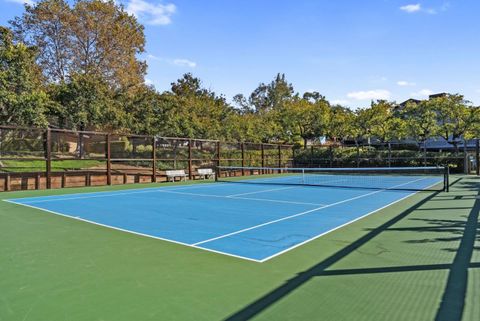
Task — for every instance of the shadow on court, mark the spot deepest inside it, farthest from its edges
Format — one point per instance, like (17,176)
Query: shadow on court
(452,304)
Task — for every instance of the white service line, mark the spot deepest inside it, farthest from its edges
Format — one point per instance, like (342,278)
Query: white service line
(262,191)
(54,198)
(241,198)
(301,214)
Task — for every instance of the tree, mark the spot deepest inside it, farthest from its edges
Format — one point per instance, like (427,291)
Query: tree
(86,102)
(383,121)
(341,123)
(455,117)
(22,100)
(302,118)
(271,96)
(93,37)
(420,120)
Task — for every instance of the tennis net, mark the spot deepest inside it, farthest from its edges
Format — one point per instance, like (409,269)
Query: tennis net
(391,178)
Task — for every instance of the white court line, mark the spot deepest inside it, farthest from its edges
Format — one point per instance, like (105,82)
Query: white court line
(132,232)
(242,198)
(53,198)
(262,191)
(302,213)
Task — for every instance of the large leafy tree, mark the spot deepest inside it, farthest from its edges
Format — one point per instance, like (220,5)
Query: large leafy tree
(341,123)
(302,118)
(384,123)
(22,100)
(268,97)
(456,117)
(420,120)
(86,102)
(92,37)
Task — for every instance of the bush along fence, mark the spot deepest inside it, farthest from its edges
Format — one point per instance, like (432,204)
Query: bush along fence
(33,158)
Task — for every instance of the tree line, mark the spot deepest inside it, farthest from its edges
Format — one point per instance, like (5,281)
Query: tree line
(78,67)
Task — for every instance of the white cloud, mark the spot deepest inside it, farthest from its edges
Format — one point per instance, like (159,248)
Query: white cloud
(148,82)
(184,63)
(29,2)
(176,62)
(370,94)
(411,8)
(151,13)
(422,93)
(339,102)
(404,83)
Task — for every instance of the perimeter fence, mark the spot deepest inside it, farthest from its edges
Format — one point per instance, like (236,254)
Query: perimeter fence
(34,158)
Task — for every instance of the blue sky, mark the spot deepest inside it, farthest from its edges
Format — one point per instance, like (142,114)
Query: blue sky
(348,50)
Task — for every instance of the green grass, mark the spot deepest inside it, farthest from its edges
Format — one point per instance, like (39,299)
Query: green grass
(57,165)
(418,259)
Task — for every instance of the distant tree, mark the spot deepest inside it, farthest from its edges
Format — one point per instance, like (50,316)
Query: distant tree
(302,118)
(455,117)
(93,37)
(420,120)
(267,97)
(22,100)
(384,123)
(340,123)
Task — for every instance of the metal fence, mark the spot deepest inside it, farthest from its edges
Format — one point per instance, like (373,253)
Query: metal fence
(463,160)
(33,158)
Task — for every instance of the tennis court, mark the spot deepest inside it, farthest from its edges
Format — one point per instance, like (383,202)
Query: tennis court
(234,217)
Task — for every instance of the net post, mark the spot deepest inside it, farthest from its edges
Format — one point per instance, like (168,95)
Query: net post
(48,158)
(154,159)
(108,157)
(303,176)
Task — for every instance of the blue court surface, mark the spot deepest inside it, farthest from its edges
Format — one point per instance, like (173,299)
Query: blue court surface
(251,221)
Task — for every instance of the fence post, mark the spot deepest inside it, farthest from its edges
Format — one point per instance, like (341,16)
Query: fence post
(279,157)
(263,158)
(190,176)
(48,158)
(358,154)
(330,150)
(389,154)
(477,156)
(424,153)
(154,159)
(293,156)
(465,158)
(217,176)
(242,147)
(108,156)
(311,156)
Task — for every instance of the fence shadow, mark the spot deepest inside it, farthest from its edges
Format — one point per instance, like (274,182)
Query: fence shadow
(452,302)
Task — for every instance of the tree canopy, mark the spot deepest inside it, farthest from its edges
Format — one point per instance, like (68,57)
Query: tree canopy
(77,66)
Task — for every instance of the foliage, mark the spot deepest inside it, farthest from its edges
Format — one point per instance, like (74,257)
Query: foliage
(93,37)
(22,101)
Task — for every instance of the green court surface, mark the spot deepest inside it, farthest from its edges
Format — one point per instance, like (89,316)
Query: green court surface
(418,259)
